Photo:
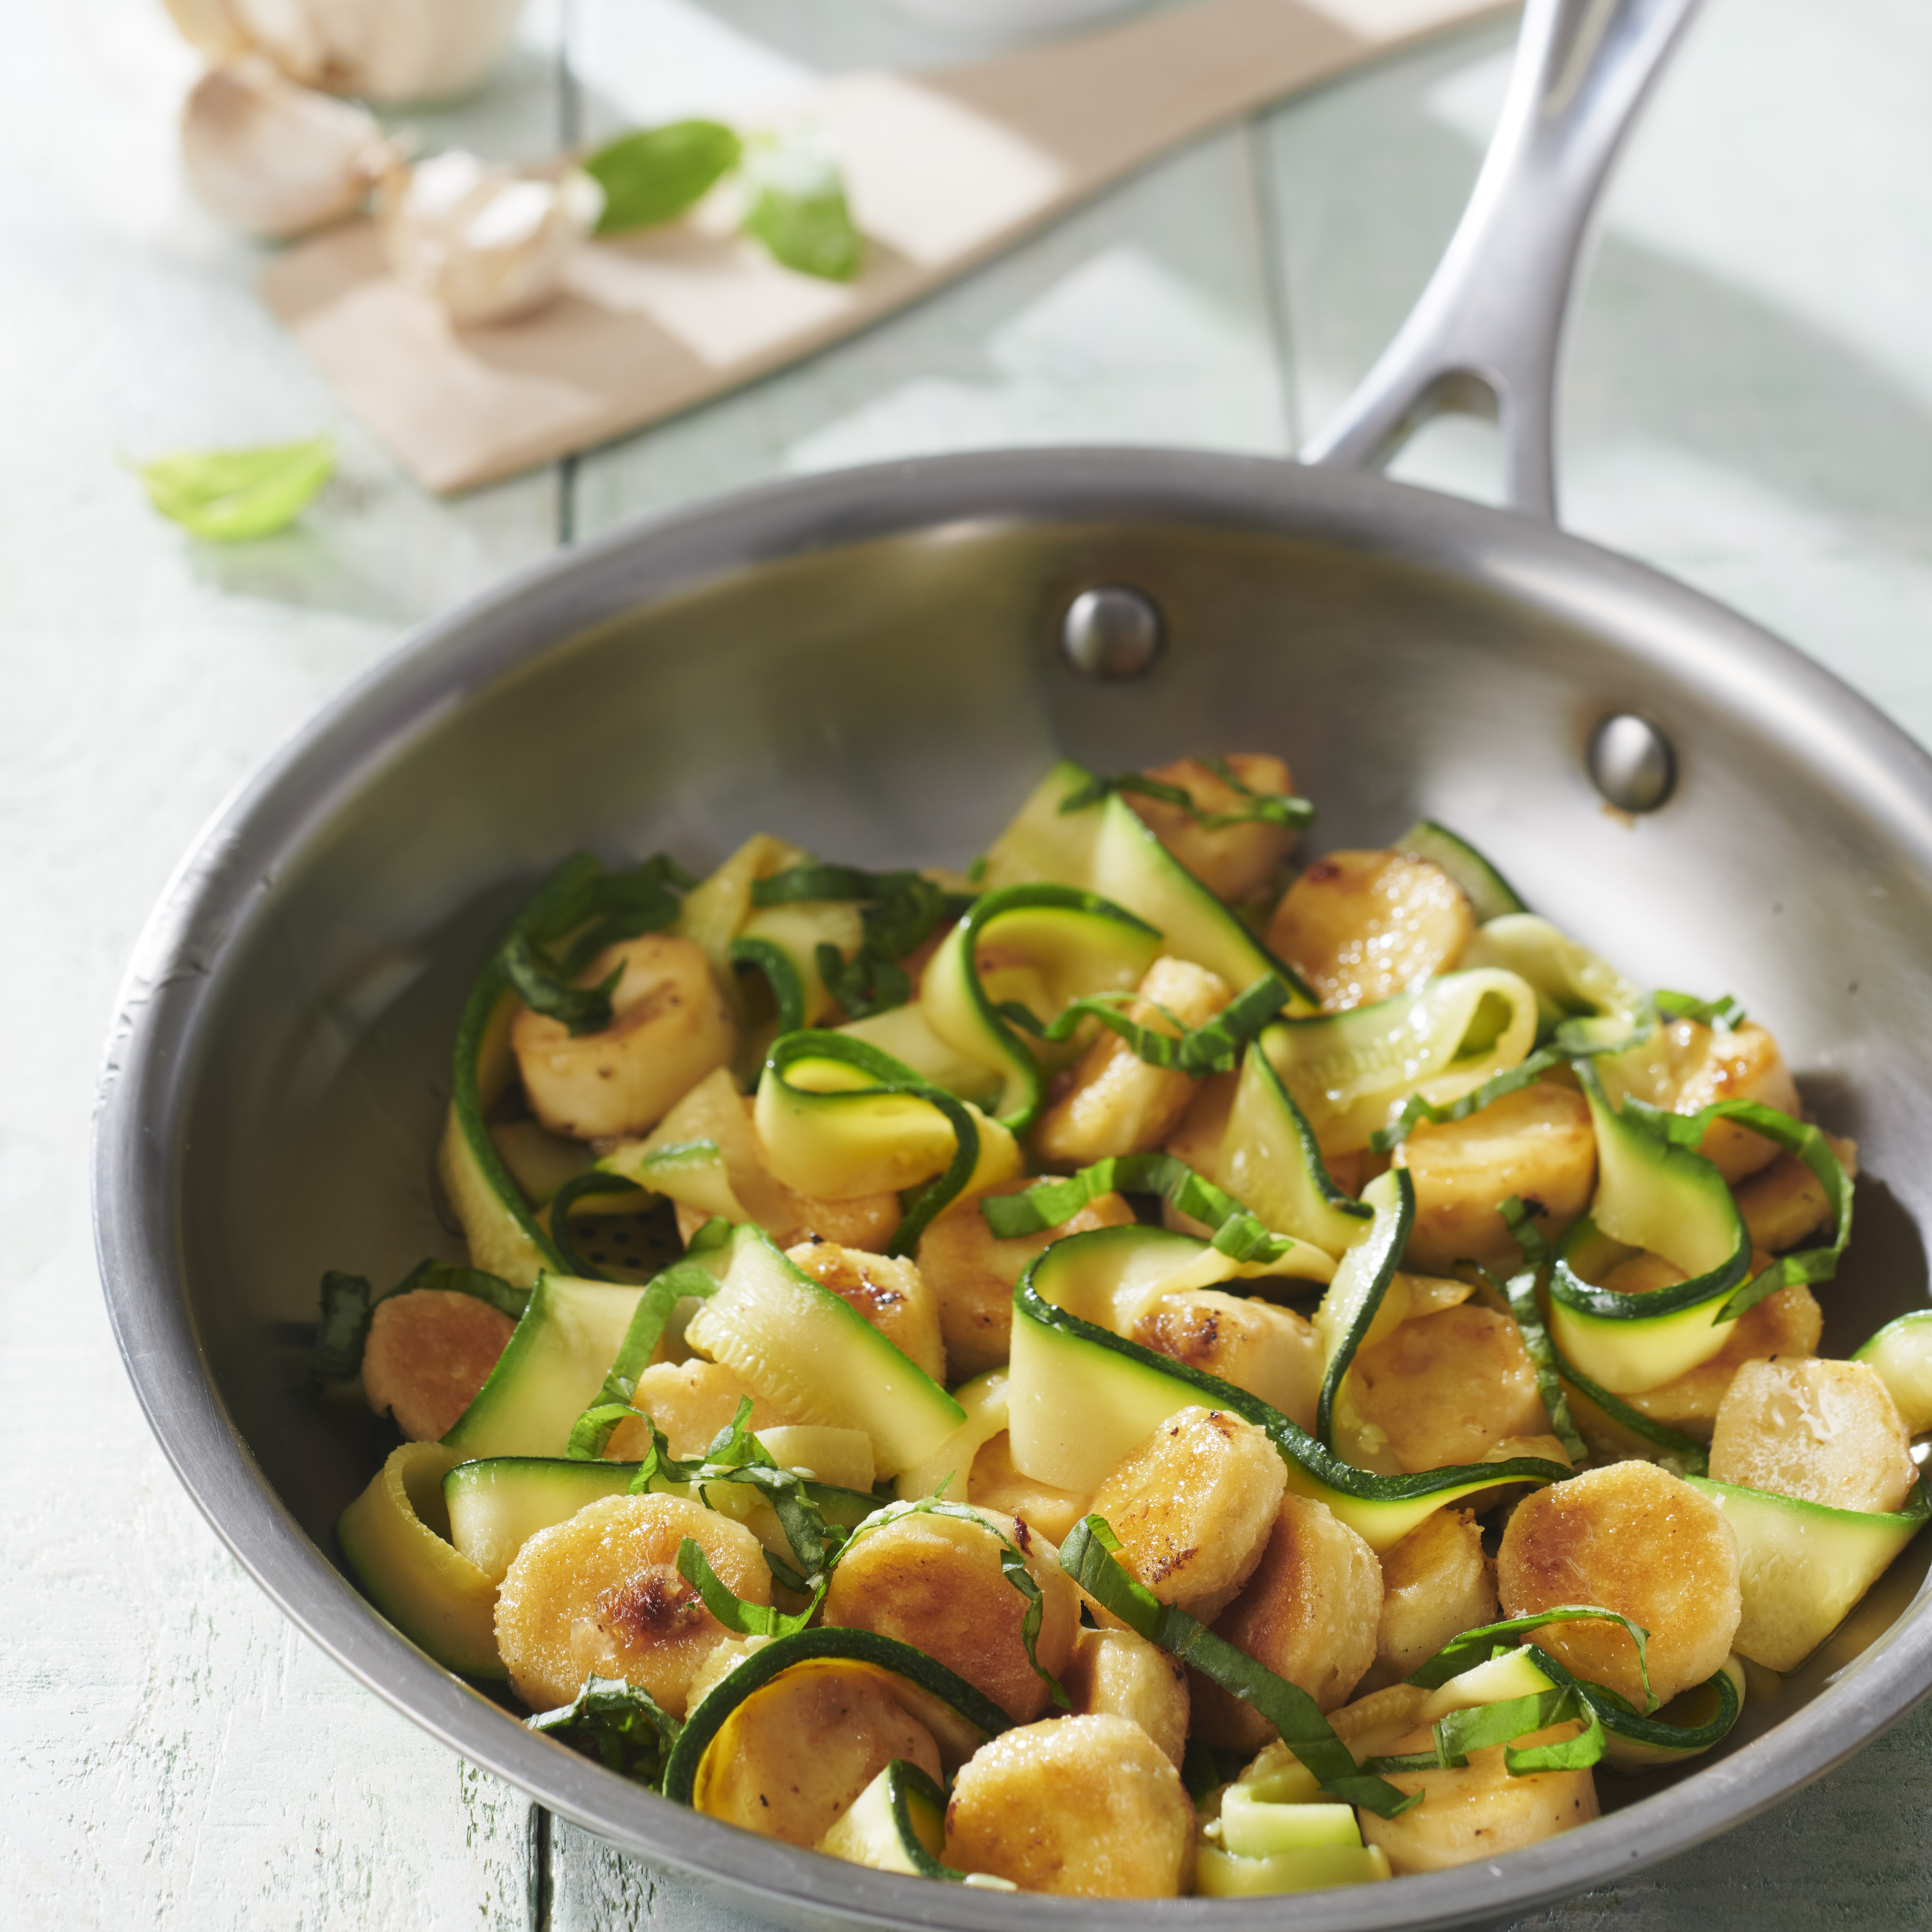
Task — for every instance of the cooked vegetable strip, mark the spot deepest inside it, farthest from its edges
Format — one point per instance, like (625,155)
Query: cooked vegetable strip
(1797,1137)
(1481,1726)
(840,1118)
(621,1724)
(1360,1282)
(1080,1396)
(902,910)
(1489,894)
(681,1281)
(1265,807)
(1351,1071)
(583,907)
(1107,849)
(1237,1232)
(1214,1047)
(1519,1291)
(1087,1555)
(1635,1742)
(1473,1645)
(1654,1191)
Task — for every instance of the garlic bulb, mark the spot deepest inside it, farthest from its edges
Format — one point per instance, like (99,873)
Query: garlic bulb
(486,243)
(273,157)
(211,27)
(384,50)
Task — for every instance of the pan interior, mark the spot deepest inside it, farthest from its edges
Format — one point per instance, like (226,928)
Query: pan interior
(889,702)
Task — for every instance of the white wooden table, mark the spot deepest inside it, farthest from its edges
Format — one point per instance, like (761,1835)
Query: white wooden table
(1749,404)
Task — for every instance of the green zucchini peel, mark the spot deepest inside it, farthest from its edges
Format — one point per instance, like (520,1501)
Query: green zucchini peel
(1376,1256)
(1472,1647)
(973,1707)
(888,1076)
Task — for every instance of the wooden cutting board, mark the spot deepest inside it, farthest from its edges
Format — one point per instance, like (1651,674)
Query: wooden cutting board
(942,169)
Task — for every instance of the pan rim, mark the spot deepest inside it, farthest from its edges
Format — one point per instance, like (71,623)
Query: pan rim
(227,873)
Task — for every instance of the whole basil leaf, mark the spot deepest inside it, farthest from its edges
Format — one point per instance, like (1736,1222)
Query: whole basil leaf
(229,495)
(795,204)
(652,174)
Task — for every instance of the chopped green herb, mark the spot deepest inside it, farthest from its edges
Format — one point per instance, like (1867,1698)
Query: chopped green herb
(795,204)
(229,495)
(653,174)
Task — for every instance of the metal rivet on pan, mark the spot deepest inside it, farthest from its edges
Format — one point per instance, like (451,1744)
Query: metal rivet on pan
(1631,763)
(1112,631)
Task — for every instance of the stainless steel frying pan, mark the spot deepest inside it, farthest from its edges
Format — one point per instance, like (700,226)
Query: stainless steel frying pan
(877,665)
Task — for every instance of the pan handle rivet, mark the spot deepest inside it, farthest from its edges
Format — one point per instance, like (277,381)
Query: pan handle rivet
(1631,763)
(1112,631)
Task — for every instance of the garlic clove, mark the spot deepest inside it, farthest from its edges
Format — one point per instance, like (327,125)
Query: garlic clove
(211,27)
(484,242)
(386,50)
(273,157)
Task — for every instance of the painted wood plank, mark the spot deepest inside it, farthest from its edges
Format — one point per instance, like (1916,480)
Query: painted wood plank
(171,1751)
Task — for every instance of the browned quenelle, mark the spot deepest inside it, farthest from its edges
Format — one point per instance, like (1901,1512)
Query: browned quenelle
(795,1754)
(1232,861)
(933,1580)
(690,1402)
(1116,1671)
(1193,1506)
(600,1594)
(669,1028)
(1308,1612)
(1536,1143)
(1436,1583)
(972,1273)
(1448,1388)
(1271,1352)
(1826,1432)
(428,1353)
(888,1291)
(1786,1324)
(1088,1807)
(1116,1102)
(1637,1541)
(1479,1810)
(996,1484)
(1784,1200)
(1362,926)
(1686,1066)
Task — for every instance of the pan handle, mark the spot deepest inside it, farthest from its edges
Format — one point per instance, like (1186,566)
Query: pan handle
(1483,339)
